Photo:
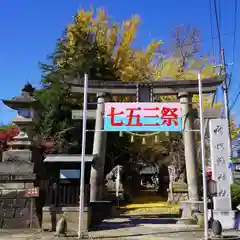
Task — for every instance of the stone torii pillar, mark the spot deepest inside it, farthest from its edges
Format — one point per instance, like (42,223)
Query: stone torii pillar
(99,151)
(189,146)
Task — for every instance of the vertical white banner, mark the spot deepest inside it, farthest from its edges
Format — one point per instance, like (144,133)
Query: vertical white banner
(219,135)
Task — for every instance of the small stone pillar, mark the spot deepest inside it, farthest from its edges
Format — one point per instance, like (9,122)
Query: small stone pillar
(189,146)
(99,149)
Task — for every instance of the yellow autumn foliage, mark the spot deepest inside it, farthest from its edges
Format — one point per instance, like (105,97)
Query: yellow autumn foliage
(207,101)
(150,204)
(130,64)
(171,68)
(116,40)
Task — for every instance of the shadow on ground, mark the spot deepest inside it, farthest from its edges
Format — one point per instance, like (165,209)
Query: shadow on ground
(151,216)
(148,234)
(135,221)
(122,214)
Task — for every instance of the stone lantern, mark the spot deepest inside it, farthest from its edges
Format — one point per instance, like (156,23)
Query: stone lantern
(17,177)
(20,147)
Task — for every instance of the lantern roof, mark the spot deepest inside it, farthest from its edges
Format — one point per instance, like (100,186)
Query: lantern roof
(25,100)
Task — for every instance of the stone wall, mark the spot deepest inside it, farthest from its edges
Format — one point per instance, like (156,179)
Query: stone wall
(179,197)
(15,208)
(178,193)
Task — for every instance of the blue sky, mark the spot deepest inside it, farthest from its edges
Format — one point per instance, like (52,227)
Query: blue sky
(29,30)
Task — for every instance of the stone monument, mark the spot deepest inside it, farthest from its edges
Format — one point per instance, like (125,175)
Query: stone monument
(16,168)
(111,183)
(219,136)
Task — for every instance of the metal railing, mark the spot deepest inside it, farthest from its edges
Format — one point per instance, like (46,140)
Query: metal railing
(64,195)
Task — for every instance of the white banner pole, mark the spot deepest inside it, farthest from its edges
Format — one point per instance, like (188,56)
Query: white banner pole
(82,177)
(204,178)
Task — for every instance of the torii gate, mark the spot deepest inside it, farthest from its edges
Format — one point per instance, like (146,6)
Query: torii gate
(144,92)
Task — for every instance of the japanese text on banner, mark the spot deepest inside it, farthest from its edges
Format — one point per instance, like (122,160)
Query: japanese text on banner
(142,117)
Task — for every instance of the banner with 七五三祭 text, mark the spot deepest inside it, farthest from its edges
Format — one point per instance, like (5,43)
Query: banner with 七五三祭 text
(142,117)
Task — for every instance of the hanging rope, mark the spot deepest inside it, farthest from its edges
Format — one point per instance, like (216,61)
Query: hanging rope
(142,135)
